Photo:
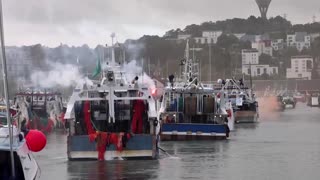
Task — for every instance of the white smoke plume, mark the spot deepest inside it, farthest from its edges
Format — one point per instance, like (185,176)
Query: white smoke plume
(62,75)
(132,69)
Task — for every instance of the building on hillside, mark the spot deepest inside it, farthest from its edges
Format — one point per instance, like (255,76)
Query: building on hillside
(299,40)
(183,36)
(314,36)
(301,67)
(239,35)
(250,56)
(250,64)
(259,70)
(277,44)
(19,65)
(208,37)
(263,47)
(255,38)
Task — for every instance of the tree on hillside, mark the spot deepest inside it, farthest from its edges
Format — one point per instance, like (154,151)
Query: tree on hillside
(265,59)
(227,41)
(194,30)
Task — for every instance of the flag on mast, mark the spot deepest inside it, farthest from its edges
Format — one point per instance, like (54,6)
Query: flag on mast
(97,70)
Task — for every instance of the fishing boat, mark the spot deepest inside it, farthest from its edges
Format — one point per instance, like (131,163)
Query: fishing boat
(16,159)
(190,110)
(279,105)
(39,108)
(114,118)
(288,100)
(24,163)
(299,97)
(244,104)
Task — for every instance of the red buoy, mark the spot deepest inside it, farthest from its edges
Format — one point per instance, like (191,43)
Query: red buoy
(36,140)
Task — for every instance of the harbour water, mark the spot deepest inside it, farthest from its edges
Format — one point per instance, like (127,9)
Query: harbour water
(283,145)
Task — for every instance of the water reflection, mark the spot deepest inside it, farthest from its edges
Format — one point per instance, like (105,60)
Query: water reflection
(286,147)
(132,169)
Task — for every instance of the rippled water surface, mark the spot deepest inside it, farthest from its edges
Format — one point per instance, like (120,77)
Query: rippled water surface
(282,146)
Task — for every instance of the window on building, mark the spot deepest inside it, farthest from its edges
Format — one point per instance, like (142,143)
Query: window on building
(258,71)
(274,71)
(265,70)
(309,64)
(249,71)
(300,75)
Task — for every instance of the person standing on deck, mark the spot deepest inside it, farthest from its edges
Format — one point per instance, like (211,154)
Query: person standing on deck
(137,121)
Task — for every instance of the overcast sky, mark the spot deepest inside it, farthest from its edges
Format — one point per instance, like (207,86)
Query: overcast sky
(77,22)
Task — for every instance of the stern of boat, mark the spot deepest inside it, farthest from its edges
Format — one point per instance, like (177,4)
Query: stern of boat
(176,131)
(139,146)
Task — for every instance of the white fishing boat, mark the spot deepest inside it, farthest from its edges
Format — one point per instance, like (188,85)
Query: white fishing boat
(243,101)
(113,118)
(16,159)
(24,163)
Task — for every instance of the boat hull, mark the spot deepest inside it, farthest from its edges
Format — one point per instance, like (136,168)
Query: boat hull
(183,132)
(246,116)
(138,146)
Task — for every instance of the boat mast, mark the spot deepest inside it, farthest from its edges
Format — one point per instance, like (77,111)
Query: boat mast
(187,58)
(113,35)
(5,85)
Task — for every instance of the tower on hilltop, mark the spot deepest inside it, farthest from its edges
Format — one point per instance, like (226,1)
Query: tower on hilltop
(263,7)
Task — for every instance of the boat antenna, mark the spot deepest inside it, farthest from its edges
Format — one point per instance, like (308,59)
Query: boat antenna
(187,56)
(113,35)
(6,94)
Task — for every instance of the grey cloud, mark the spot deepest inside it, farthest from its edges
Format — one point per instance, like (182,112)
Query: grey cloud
(79,21)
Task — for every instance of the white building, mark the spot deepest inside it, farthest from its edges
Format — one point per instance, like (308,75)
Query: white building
(183,36)
(258,70)
(301,67)
(19,63)
(277,44)
(300,40)
(250,64)
(263,47)
(314,36)
(239,35)
(208,37)
(255,38)
(250,56)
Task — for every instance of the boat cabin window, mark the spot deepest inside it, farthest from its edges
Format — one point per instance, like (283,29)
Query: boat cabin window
(129,116)
(5,166)
(190,108)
